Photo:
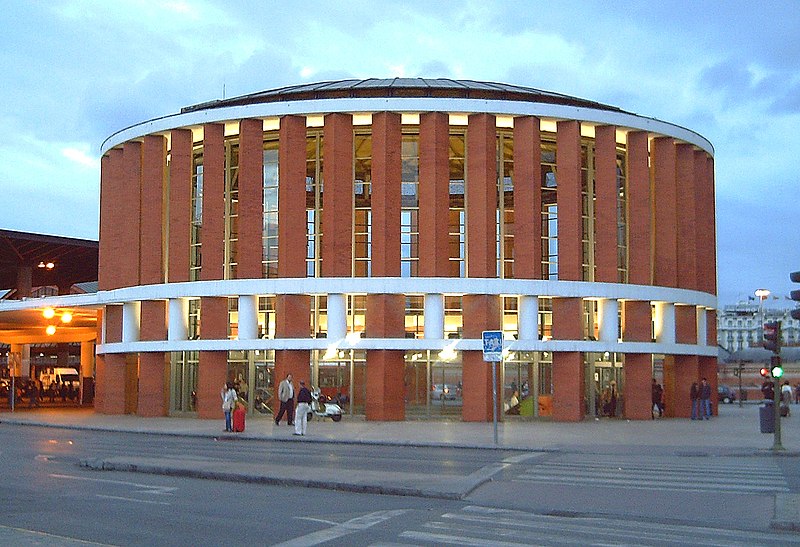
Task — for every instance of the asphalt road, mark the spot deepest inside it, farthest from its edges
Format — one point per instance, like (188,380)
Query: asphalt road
(548,498)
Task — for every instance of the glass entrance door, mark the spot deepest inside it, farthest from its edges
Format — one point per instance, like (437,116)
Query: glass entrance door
(605,383)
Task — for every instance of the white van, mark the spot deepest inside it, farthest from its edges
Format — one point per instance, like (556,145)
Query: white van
(59,375)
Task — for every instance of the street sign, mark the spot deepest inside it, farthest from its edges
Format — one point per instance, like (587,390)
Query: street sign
(492,346)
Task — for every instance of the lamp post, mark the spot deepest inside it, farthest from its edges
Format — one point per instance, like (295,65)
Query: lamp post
(762,295)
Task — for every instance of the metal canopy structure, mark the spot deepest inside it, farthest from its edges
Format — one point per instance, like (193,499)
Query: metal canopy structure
(52,260)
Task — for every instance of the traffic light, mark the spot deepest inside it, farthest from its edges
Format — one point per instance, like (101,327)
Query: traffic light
(776,368)
(795,276)
(772,336)
(765,372)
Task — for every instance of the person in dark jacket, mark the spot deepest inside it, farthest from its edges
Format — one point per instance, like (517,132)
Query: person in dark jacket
(705,399)
(303,408)
(657,395)
(694,395)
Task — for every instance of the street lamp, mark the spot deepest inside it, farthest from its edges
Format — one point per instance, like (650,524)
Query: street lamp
(762,295)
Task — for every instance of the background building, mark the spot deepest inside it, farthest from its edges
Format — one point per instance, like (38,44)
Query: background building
(361,234)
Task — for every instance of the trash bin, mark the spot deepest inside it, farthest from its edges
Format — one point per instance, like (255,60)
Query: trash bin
(767,415)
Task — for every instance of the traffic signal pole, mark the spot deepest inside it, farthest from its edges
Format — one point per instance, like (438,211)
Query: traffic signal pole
(776,440)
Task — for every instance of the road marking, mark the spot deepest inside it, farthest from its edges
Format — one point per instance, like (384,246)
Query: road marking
(351,526)
(147,488)
(323,521)
(121,498)
(476,525)
(14,535)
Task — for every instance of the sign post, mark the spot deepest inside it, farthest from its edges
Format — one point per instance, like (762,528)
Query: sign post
(493,352)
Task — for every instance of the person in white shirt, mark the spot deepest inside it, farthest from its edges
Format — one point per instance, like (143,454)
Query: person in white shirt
(286,397)
(229,398)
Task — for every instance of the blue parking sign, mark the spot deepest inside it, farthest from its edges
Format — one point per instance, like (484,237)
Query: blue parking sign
(492,345)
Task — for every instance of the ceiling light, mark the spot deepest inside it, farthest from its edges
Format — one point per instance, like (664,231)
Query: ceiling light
(66,317)
(48,313)
(50,330)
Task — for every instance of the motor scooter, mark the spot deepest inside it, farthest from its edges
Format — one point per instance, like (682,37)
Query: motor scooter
(324,408)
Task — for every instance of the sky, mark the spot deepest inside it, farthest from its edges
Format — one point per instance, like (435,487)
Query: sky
(75,71)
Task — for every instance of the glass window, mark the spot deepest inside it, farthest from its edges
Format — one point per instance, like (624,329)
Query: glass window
(269,247)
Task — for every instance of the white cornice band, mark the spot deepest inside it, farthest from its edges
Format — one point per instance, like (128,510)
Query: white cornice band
(406,104)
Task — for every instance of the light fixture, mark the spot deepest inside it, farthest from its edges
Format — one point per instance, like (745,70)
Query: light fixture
(330,354)
(48,313)
(66,317)
(50,265)
(50,330)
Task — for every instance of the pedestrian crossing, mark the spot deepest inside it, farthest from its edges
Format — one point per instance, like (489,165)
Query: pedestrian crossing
(479,526)
(686,474)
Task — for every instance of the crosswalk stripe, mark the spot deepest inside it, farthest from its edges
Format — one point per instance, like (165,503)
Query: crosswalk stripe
(475,525)
(706,476)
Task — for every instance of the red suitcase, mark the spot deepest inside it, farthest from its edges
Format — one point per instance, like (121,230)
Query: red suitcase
(238,419)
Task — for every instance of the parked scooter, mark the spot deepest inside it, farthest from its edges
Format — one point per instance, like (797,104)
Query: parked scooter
(324,408)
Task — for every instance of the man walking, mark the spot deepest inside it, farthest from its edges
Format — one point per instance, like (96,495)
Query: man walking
(286,397)
(303,408)
(705,399)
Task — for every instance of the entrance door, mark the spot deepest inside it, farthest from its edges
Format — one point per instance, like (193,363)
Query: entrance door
(605,384)
(183,375)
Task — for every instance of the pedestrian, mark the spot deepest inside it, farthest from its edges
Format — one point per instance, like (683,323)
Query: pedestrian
(694,395)
(657,390)
(705,398)
(229,398)
(786,398)
(303,408)
(286,397)
(34,394)
(797,393)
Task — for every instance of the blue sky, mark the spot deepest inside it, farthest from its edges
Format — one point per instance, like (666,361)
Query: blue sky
(75,71)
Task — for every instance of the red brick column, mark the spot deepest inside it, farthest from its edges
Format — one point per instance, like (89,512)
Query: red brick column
(110,222)
(153,397)
(251,199)
(212,365)
(663,167)
(686,197)
(568,367)
(687,367)
(705,223)
(130,214)
(292,312)
(385,312)
(180,200)
(337,217)
(638,366)
(605,162)
(110,388)
(640,263)
(527,198)
(480,312)
(570,224)
(153,367)
(434,194)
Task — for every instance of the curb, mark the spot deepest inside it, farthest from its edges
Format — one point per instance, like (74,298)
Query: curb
(99,464)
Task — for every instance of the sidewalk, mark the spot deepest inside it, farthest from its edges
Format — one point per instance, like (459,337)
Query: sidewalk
(734,431)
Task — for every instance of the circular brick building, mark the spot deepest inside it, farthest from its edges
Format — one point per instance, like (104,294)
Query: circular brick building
(362,234)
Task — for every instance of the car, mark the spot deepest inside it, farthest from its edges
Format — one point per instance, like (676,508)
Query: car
(726,394)
(443,392)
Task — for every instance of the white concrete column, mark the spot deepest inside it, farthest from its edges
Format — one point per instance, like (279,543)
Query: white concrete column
(131,321)
(21,357)
(87,359)
(528,317)
(337,316)
(702,326)
(664,322)
(434,317)
(248,317)
(608,319)
(178,326)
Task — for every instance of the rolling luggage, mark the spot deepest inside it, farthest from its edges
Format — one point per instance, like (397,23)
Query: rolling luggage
(238,419)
